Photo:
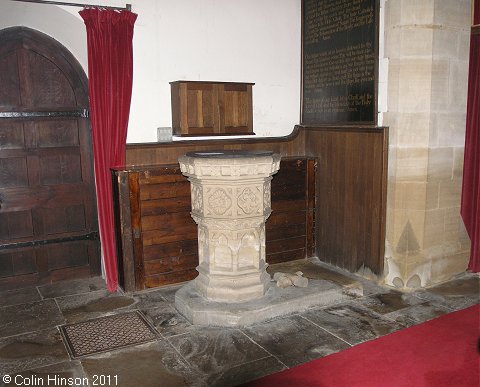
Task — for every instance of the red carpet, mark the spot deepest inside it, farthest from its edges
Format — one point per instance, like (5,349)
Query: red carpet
(440,352)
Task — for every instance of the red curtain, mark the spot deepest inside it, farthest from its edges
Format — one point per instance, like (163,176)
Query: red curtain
(471,170)
(110,73)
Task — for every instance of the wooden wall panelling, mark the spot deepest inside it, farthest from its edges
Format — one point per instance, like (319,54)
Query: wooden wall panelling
(351,188)
(169,152)
(311,206)
(349,194)
(287,228)
(157,242)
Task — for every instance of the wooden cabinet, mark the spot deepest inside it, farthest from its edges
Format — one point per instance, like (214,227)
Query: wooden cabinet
(211,108)
(157,237)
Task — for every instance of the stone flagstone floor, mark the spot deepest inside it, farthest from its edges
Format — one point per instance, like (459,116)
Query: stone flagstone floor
(31,346)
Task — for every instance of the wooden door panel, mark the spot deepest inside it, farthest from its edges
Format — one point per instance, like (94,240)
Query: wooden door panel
(10,81)
(17,262)
(31,259)
(15,225)
(53,211)
(60,220)
(24,262)
(48,215)
(68,254)
(13,172)
(59,133)
(19,199)
(50,86)
(60,169)
(11,135)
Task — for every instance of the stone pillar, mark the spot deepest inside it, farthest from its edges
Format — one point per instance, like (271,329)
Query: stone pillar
(230,203)
(427,45)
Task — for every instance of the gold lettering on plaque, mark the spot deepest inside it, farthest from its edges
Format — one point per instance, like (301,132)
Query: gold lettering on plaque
(343,66)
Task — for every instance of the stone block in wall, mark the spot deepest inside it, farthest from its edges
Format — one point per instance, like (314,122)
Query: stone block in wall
(440,163)
(393,14)
(445,267)
(452,13)
(458,156)
(463,238)
(458,78)
(445,43)
(416,42)
(415,82)
(398,232)
(408,231)
(412,164)
(434,228)
(410,195)
(415,12)
(393,87)
(433,190)
(393,43)
(450,193)
(448,129)
(463,44)
(389,225)
(440,84)
(413,129)
(392,164)
(453,224)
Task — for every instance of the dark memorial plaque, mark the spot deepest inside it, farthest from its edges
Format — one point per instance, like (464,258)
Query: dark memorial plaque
(339,62)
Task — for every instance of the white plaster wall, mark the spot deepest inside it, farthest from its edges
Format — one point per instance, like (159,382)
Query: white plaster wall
(49,19)
(218,40)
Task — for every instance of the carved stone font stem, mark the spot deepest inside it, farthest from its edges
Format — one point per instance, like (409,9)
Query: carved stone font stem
(230,204)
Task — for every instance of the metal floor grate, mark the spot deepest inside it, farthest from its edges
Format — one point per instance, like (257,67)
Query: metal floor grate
(107,333)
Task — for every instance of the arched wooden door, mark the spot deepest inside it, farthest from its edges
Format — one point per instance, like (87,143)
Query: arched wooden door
(48,219)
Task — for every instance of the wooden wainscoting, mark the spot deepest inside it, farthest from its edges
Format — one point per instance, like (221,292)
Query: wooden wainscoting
(157,238)
(169,152)
(351,195)
(350,186)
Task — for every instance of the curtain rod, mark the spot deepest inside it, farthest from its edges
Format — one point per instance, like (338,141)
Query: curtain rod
(127,7)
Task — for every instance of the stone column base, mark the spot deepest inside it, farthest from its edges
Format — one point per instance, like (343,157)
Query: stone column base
(276,302)
(225,288)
